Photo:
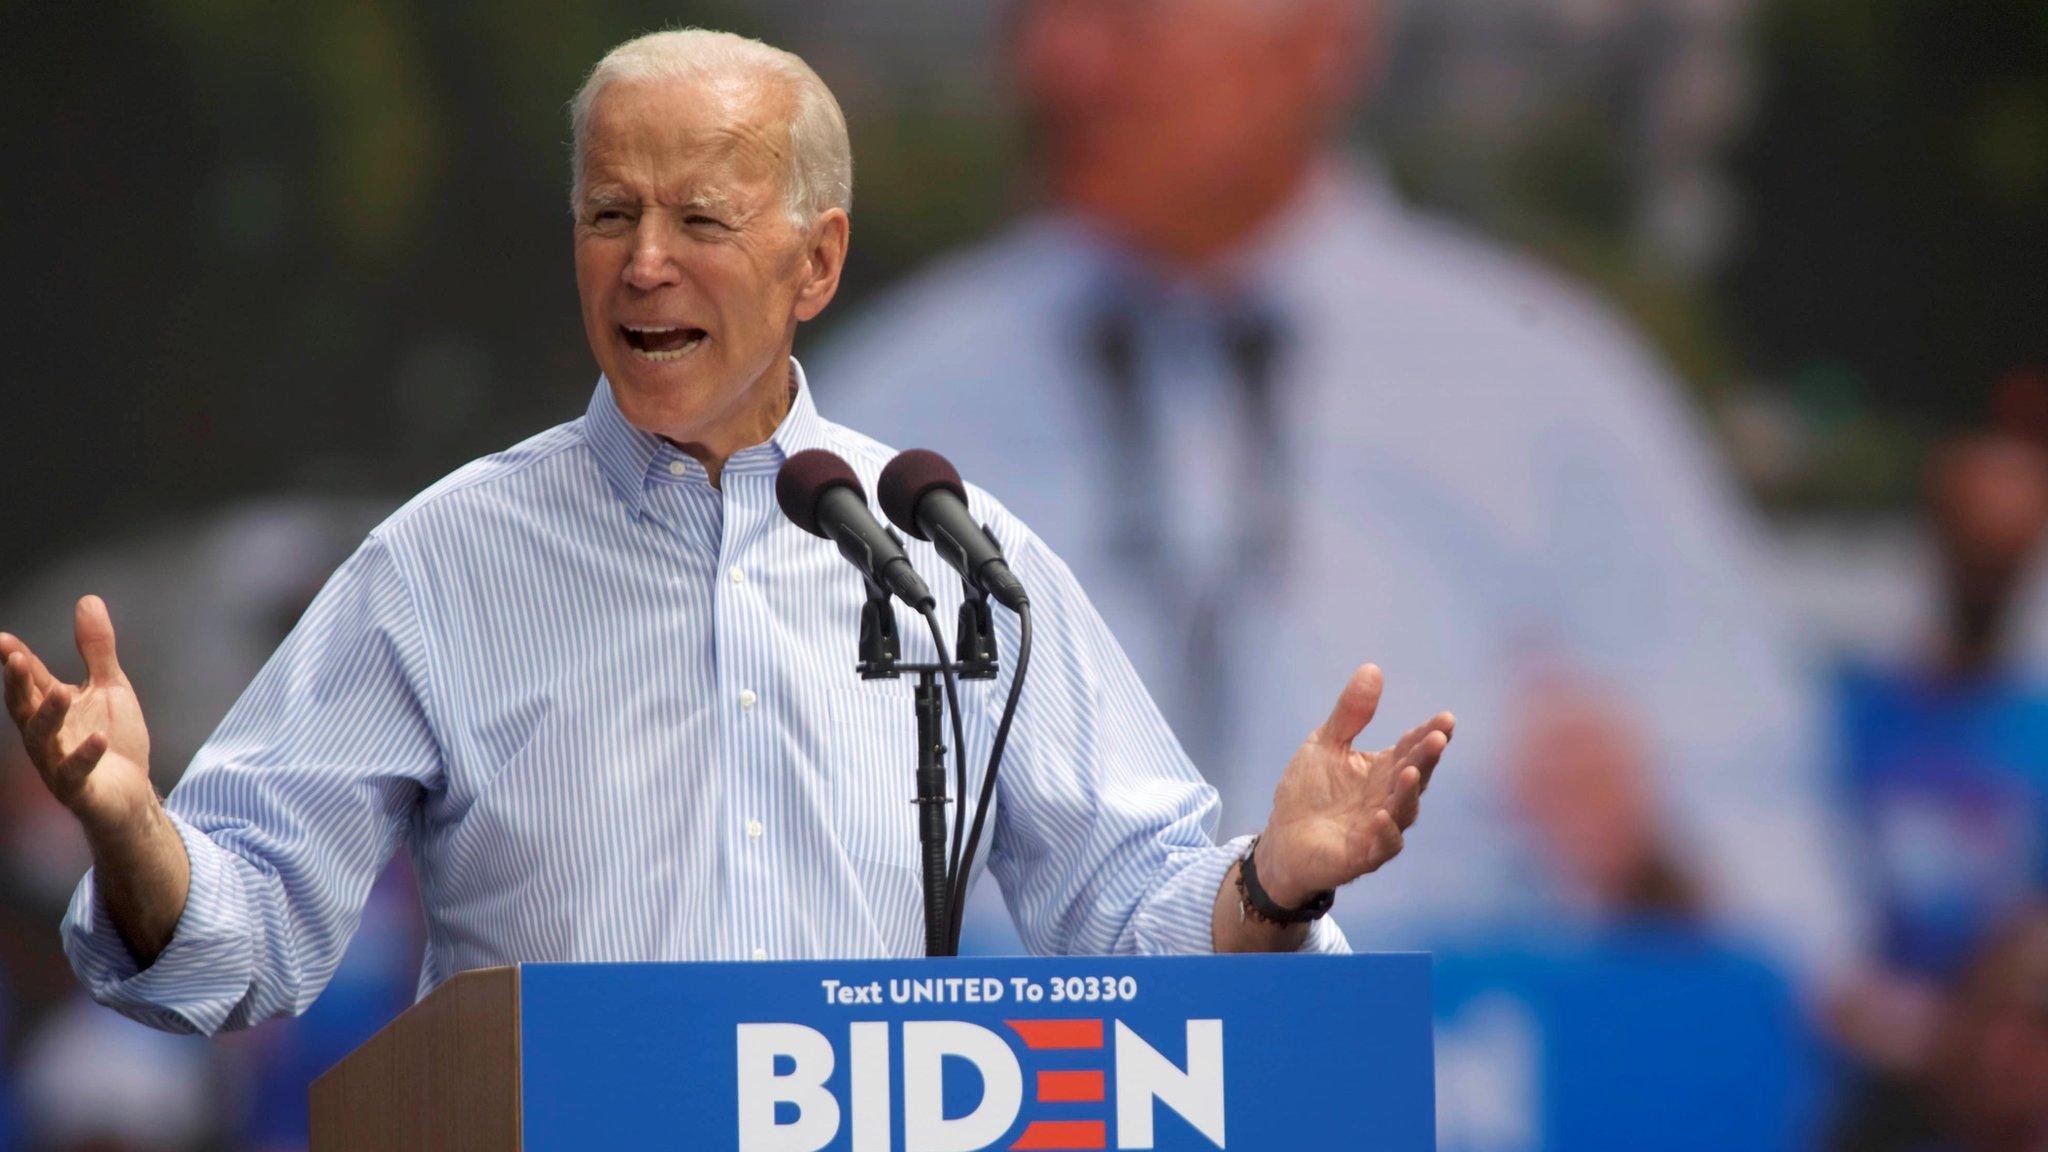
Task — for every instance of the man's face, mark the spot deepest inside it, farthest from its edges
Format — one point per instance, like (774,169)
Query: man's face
(1989,499)
(1183,97)
(1581,778)
(691,273)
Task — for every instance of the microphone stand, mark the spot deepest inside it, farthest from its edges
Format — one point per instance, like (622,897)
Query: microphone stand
(880,659)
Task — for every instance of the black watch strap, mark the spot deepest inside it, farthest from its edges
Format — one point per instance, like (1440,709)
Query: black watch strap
(1256,902)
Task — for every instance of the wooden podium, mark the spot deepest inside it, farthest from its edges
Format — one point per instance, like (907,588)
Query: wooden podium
(900,1056)
(444,1075)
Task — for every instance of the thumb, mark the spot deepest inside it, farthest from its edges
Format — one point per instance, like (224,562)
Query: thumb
(95,632)
(1355,706)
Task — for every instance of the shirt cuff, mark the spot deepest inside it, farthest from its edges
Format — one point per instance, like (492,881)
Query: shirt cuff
(200,976)
(1176,919)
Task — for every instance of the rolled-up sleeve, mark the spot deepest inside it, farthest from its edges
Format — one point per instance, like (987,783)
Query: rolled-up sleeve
(1105,832)
(287,814)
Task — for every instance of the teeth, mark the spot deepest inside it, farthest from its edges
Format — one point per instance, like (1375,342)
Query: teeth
(666,357)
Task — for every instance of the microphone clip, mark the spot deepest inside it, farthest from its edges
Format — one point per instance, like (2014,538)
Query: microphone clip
(974,645)
(880,646)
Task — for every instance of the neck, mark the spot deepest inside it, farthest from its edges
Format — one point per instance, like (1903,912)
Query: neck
(1976,627)
(1195,236)
(753,420)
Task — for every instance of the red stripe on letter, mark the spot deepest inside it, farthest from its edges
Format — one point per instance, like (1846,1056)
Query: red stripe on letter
(1051,1134)
(1044,1034)
(1069,1087)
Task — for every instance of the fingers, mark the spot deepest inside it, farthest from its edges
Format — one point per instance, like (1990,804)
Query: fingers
(94,628)
(1405,746)
(41,730)
(1387,840)
(10,644)
(80,762)
(1406,804)
(1445,723)
(1422,746)
(61,770)
(1355,707)
(1428,753)
(22,697)
(26,678)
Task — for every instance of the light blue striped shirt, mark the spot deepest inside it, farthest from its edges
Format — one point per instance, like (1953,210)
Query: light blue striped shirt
(612,713)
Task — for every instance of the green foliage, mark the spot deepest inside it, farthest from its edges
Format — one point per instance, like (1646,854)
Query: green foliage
(1896,191)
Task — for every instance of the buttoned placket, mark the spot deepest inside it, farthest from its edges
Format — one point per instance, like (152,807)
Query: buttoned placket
(746,726)
(682,501)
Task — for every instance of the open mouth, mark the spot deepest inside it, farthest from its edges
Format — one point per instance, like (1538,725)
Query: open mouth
(662,344)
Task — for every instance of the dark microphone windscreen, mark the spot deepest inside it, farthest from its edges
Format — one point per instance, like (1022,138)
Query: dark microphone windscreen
(807,476)
(905,481)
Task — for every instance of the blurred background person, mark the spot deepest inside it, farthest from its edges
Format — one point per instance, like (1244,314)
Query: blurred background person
(1206,366)
(1583,784)
(98,1082)
(1945,758)
(1945,768)
(1634,1015)
(2019,405)
(1983,1086)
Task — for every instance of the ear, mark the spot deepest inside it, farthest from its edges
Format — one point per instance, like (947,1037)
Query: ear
(824,259)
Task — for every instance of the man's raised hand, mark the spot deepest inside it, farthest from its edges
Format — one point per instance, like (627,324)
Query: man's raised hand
(87,740)
(1339,813)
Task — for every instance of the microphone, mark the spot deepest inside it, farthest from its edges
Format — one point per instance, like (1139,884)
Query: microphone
(923,495)
(821,495)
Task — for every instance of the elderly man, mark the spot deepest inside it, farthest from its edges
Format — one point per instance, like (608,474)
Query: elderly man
(602,690)
(1270,415)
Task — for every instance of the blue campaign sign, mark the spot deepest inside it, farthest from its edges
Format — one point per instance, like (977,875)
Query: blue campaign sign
(1620,1039)
(1230,1052)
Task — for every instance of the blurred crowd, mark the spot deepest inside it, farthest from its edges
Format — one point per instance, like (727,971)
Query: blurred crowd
(1744,841)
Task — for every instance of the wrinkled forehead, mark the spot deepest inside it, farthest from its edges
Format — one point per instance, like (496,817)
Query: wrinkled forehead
(730,130)
(1167,9)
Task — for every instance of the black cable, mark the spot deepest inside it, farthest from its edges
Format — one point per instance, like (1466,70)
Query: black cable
(959,792)
(931,619)
(988,780)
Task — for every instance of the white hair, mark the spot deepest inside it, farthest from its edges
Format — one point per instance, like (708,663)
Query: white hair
(820,172)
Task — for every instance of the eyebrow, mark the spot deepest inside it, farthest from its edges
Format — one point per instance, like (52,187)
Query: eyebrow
(606,197)
(713,199)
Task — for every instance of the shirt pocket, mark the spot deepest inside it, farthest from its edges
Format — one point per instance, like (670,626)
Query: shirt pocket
(872,764)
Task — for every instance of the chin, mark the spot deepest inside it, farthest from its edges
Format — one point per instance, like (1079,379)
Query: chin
(667,397)
(668,373)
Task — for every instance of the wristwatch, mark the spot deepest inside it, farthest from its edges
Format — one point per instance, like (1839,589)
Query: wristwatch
(1254,901)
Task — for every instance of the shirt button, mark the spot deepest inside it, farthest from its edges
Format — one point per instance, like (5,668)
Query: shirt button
(747,698)
(677,468)
(755,828)
(739,577)
(760,953)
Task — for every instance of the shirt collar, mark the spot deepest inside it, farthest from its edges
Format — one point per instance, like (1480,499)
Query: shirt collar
(632,457)
(1341,193)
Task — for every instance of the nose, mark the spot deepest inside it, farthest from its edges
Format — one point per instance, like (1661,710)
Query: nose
(653,262)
